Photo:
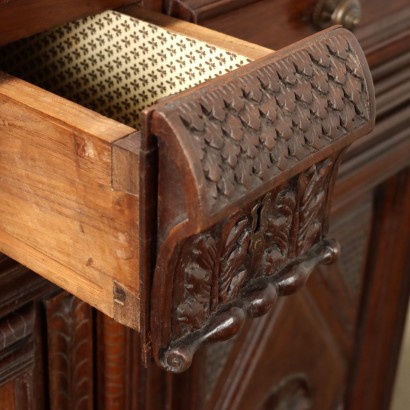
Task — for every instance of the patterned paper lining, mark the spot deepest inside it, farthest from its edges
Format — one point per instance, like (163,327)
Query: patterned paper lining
(115,64)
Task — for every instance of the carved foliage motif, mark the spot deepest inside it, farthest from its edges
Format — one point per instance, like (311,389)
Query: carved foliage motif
(260,241)
(252,128)
(70,352)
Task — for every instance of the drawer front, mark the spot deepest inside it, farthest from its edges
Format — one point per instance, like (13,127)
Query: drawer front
(215,208)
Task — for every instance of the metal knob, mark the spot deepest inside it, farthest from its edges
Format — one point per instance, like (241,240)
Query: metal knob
(329,12)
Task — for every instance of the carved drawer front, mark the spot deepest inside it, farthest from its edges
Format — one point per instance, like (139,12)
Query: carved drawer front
(180,219)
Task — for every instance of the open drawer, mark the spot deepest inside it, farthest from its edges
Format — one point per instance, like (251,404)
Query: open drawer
(214,208)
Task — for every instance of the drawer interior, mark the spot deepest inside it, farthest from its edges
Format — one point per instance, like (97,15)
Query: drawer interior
(116,64)
(69,177)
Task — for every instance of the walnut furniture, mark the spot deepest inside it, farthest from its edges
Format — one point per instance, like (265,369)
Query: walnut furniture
(189,228)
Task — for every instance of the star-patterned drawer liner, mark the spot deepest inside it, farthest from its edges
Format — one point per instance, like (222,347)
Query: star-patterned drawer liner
(115,64)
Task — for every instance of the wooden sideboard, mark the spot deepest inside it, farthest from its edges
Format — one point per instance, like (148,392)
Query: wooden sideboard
(333,345)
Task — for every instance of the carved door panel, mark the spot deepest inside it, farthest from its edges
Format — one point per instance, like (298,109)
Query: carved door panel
(288,359)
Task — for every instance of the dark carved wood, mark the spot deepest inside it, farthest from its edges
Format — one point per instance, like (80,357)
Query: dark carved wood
(247,376)
(292,393)
(121,379)
(260,129)
(241,266)
(70,352)
(291,340)
(20,367)
(22,373)
(336,288)
(271,117)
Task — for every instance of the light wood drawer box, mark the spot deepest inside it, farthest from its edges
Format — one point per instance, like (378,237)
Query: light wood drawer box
(97,206)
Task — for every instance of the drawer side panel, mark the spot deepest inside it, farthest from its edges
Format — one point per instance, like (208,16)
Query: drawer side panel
(60,215)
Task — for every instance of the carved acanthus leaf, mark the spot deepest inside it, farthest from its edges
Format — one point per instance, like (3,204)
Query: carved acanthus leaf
(198,275)
(314,187)
(233,271)
(278,231)
(260,241)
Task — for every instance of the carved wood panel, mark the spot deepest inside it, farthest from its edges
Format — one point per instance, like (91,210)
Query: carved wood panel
(257,243)
(268,118)
(353,230)
(21,384)
(239,267)
(19,286)
(334,303)
(70,352)
(287,358)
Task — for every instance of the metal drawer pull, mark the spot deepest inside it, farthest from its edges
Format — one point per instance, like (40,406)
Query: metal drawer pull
(345,12)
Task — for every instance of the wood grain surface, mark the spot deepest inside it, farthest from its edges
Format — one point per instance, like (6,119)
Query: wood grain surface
(60,215)
(70,186)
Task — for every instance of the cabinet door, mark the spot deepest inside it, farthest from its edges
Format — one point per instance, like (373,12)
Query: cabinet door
(288,359)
